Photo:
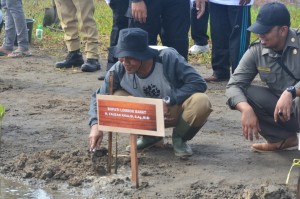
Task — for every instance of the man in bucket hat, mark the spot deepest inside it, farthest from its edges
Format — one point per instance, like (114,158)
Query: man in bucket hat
(273,110)
(143,71)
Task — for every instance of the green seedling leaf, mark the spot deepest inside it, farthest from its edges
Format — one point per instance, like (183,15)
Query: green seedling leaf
(2,111)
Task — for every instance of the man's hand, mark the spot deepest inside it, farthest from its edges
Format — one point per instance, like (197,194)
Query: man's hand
(95,138)
(139,11)
(250,124)
(200,7)
(283,107)
(244,2)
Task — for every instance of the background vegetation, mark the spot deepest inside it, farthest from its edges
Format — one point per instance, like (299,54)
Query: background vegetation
(53,44)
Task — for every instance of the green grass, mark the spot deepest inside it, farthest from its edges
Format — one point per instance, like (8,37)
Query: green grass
(53,43)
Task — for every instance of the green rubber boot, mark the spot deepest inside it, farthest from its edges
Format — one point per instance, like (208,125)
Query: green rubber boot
(181,134)
(146,142)
(181,148)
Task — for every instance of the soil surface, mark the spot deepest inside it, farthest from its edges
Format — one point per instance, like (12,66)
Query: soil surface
(44,141)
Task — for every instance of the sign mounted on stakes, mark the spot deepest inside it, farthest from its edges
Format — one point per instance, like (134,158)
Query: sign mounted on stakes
(134,115)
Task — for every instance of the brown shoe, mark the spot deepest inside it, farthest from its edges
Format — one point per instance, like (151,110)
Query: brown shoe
(289,144)
(214,78)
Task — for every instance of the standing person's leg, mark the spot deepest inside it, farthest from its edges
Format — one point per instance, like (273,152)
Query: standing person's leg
(220,32)
(240,20)
(15,9)
(10,32)
(15,23)
(120,21)
(153,23)
(199,30)
(66,12)
(176,24)
(88,28)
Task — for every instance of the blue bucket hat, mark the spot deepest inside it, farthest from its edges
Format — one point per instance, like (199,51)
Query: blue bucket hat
(133,42)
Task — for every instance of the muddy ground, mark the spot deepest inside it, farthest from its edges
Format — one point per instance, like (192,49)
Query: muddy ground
(44,142)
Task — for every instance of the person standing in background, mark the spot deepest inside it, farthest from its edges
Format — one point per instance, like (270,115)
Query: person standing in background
(199,30)
(15,24)
(168,18)
(120,21)
(75,16)
(229,20)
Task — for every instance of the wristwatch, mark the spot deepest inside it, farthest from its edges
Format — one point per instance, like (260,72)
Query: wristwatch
(167,100)
(292,90)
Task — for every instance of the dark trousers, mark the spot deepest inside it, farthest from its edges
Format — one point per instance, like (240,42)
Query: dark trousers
(263,102)
(120,21)
(171,20)
(199,26)
(229,35)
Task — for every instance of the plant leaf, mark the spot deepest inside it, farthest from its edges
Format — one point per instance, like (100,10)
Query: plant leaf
(2,111)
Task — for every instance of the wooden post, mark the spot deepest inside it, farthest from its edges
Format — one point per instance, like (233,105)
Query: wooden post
(109,160)
(134,161)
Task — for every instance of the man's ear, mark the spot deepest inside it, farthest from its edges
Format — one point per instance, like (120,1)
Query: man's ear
(284,30)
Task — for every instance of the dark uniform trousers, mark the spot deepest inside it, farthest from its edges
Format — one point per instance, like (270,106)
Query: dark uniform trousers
(171,20)
(263,102)
(199,26)
(230,38)
(120,21)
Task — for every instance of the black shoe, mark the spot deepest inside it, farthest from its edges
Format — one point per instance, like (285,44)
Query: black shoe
(102,76)
(91,65)
(74,58)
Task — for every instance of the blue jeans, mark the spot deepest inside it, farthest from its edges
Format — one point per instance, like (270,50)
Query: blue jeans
(15,24)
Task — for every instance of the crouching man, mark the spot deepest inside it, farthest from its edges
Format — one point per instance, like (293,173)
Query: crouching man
(143,71)
(273,110)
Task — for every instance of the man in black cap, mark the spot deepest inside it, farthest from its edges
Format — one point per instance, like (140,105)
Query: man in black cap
(146,72)
(272,110)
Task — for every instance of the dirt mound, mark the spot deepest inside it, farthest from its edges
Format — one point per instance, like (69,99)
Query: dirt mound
(51,166)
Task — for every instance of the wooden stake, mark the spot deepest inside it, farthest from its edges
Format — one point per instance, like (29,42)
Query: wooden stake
(109,161)
(134,161)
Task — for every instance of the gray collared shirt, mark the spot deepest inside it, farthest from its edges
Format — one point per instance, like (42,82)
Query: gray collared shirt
(263,61)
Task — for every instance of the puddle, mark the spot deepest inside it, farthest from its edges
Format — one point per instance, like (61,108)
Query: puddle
(14,190)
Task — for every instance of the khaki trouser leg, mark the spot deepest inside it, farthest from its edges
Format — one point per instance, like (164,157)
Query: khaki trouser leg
(88,27)
(66,12)
(194,110)
(78,15)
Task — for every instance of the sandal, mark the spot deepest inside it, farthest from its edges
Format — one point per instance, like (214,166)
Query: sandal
(19,53)
(4,52)
(288,144)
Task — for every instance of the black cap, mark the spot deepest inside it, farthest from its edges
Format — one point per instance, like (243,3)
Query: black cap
(270,15)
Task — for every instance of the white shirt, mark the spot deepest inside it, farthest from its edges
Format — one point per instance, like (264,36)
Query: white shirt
(230,2)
